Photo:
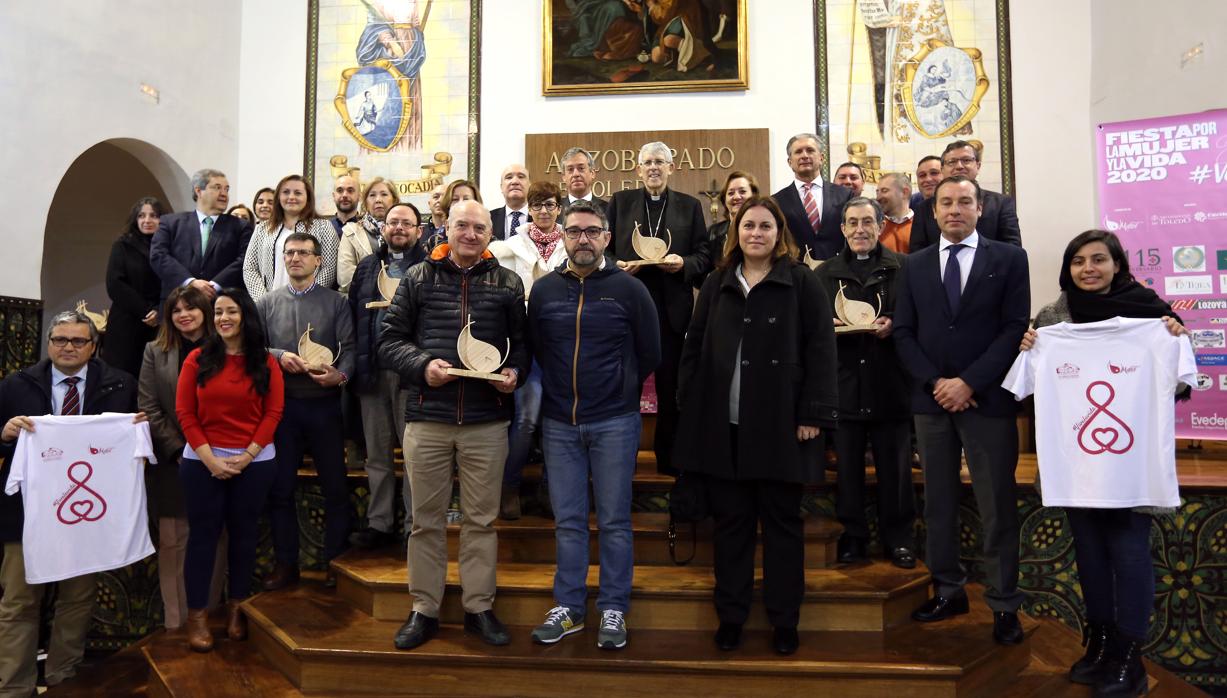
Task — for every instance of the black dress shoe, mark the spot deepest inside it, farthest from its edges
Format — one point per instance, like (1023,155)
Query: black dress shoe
(728,636)
(941,608)
(283,575)
(488,626)
(785,640)
(850,549)
(903,557)
(370,538)
(330,579)
(1006,628)
(416,631)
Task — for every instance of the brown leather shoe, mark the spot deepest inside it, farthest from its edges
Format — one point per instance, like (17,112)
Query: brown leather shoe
(236,622)
(509,504)
(198,636)
(282,576)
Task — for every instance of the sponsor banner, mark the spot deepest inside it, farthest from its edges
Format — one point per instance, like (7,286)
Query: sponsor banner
(1163,191)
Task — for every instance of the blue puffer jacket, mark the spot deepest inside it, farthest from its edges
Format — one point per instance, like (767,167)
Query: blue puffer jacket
(596,339)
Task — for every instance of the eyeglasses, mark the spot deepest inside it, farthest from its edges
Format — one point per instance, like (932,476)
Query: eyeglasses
(654,163)
(591,233)
(547,206)
(951,162)
(77,342)
(299,253)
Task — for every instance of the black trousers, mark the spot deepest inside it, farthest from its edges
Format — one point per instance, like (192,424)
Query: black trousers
(739,507)
(666,396)
(312,426)
(892,455)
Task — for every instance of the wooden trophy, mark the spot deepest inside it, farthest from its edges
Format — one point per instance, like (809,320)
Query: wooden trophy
(99,319)
(857,316)
(540,271)
(317,356)
(480,359)
(387,288)
(809,261)
(651,250)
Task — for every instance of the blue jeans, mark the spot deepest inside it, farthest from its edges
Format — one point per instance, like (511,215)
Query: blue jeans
(525,425)
(607,450)
(1115,569)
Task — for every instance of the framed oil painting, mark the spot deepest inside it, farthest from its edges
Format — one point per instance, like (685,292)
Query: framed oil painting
(392,92)
(897,80)
(611,46)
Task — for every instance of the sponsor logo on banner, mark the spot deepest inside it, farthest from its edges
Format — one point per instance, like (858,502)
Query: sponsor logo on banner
(1177,219)
(1067,370)
(1222,282)
(1188,285)
(1182,304)
(1209,339)
(1218,321)
(1207,421)
(1204,216)
(1189,258)
(1204,382)
(1120,225)
(1222,381)
(1211,359)
(1221,256)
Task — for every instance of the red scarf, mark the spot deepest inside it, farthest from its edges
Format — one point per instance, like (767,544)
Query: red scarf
(544,241)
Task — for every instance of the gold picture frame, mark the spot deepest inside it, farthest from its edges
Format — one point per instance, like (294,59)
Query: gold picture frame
(973,107)
(341,103)
(691,51)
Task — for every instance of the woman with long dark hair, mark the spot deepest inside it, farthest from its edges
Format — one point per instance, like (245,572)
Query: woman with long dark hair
(230,399)
(1111,546)
(187,320)
(757,382)
(134,289)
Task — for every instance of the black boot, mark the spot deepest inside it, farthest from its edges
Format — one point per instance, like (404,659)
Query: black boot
(1123,674)
(1097,639)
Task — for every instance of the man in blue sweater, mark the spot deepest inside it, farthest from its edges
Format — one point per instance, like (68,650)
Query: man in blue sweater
(596,336)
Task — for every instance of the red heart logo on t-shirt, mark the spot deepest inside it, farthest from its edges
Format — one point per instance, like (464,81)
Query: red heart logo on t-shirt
(1110,435)
(82,508)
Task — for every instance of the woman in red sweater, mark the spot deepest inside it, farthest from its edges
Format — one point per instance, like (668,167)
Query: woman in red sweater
(229,400)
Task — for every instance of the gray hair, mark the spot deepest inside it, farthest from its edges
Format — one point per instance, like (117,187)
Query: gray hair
(862,201)
(656,148)
(572,152)
(801,136)
(200,179)
(73,317)
(585,206)
(903,179)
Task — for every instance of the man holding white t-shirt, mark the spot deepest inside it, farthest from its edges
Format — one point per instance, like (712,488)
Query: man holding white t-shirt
(70,381)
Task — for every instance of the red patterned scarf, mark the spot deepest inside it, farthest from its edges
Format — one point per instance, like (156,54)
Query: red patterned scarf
(545,241)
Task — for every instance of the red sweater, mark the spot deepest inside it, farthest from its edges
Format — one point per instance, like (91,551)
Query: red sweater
(226,412)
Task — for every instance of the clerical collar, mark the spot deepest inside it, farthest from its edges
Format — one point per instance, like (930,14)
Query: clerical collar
(861,257)
(397,255)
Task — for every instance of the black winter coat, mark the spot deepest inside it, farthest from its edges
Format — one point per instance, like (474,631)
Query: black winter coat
(134,290)
(432,305)
(28,393)
(787,342)
(364,288)
(872,382)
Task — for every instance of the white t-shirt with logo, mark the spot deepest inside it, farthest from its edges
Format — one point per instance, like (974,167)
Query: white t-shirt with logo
(1105,411)
(83,489)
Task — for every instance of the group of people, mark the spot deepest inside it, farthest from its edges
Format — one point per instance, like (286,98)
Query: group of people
(224,325)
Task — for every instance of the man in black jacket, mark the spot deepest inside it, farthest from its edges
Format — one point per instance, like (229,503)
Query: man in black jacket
(999,215)
(454,419)
(591,375)
(378,388)
(71,381)
(660,212)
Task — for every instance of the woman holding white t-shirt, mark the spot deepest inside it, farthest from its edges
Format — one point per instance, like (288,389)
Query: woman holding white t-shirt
(1111,546)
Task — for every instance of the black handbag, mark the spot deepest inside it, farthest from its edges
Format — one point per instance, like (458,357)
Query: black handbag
(687,505)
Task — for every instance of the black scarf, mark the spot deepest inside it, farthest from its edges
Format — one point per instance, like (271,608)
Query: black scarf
(1131,299)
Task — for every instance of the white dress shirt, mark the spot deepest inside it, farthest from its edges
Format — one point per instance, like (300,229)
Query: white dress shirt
(967,255)
(508,231)
(816,192)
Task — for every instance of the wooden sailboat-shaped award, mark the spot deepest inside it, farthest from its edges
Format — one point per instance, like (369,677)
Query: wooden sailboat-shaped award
(809,261)
(99,319)
(651,250)
(387,288)
(480,359)
(317,356)
(857,316)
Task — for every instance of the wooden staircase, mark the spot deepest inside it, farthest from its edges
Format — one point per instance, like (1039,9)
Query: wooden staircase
(856,636)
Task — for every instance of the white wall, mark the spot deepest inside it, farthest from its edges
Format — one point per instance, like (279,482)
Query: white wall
(72,80)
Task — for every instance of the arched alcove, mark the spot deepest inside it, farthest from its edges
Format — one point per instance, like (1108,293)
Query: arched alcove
(88,213)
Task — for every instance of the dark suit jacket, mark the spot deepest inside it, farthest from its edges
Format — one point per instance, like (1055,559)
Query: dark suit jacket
(829,240)
(980,342)
(998,221)
(688,235)
(175,252)
(498,221)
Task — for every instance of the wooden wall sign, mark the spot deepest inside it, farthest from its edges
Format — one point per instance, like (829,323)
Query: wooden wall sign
(701,159)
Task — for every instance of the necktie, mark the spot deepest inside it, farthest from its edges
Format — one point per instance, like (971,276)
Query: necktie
(515,222)
(72,399)
(953,278)
(811,208)
(204,234)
